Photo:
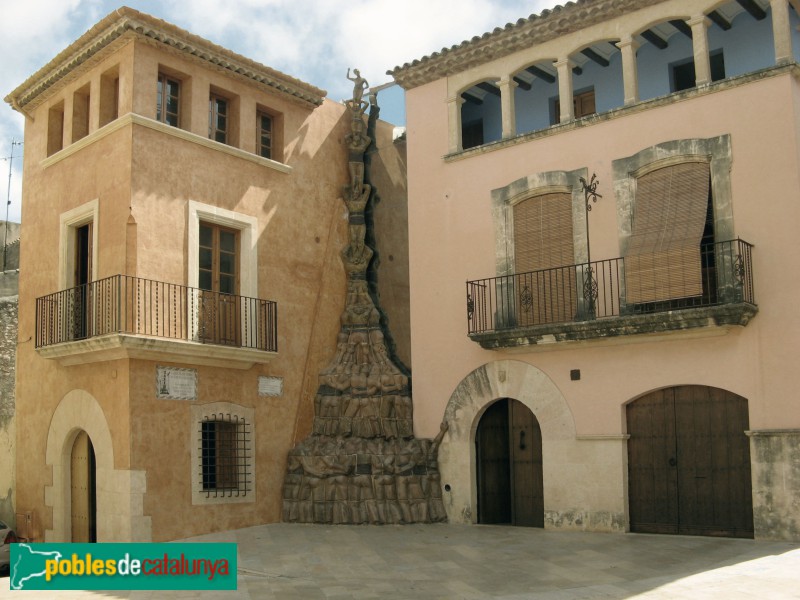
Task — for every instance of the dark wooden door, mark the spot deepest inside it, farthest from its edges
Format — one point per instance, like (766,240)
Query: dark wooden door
(689,463)
(509,464)
(527,507)
(494,472)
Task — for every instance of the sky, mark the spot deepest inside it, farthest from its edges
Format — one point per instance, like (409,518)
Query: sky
(313,40)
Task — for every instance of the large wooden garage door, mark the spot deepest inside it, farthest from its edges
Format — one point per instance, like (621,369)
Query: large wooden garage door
(509,462)
(689,463)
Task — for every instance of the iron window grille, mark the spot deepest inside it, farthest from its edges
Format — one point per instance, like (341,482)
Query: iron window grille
(225,461)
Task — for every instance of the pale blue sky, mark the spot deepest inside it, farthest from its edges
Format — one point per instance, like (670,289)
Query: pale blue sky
(314,40)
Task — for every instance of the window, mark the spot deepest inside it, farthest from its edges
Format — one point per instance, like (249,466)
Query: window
(218,119)
(663,259)
(264,135)
(472,134)
(543,242)
(682,73)
(583,105)
(80,113)
(218,265)
(168,100)
(109,96)
(223,462)
(224,455)
(55,128)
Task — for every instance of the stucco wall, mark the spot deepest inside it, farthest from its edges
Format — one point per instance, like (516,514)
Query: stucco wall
(148,181)
(452,240)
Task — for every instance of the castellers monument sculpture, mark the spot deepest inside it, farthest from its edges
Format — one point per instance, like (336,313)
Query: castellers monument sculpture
(362,463)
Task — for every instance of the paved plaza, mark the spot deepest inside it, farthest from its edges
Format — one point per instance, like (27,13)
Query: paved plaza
(307,562)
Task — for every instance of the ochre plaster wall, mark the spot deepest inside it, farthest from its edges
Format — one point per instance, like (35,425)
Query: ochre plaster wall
(144,179)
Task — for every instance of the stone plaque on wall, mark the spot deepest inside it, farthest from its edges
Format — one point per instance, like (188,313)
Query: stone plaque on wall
(270,386)
(176,384)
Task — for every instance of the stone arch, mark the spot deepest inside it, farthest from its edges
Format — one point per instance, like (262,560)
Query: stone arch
(119,492)
(499,379)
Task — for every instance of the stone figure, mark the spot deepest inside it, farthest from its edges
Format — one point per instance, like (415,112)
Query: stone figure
(356,197)
(359,86)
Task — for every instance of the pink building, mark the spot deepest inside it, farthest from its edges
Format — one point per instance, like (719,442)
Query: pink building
(629,367)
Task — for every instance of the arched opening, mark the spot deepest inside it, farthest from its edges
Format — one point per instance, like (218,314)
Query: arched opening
(689,463)
(481,115)
(83,490)
(508,445)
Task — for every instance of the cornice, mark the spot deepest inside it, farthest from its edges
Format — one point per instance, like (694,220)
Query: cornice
(128,22)
(502,41)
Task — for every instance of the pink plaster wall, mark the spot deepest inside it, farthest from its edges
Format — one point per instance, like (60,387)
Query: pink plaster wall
(451,236)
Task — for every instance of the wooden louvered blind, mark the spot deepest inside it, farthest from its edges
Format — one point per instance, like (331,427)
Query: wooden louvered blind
(543,240)
(663,257)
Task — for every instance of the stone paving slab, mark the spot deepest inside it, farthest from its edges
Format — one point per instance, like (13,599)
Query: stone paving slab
(289,561)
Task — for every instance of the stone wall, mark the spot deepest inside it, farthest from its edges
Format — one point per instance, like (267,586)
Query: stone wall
(8,355)
(9,288)
(775,456)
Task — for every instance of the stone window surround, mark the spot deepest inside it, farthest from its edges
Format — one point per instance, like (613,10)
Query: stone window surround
(197,414)
(68,222)
(716,151)
(504,199)
(635,23)
(248,239)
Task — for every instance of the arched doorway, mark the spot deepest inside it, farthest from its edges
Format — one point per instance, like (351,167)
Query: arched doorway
(83,490)
(689,463)
(508,450)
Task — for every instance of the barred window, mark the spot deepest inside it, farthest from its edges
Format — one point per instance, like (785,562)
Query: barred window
(222,457)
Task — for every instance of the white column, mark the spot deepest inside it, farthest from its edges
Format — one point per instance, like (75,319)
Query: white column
(781,31)
(565,92)
(507,88)
(702,64)
(454,123)
(630,71)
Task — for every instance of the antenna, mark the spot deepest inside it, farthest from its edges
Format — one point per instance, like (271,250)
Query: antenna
(8,200)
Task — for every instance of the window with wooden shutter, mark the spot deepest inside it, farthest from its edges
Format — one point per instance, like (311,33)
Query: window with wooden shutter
(662,261)
(543,255)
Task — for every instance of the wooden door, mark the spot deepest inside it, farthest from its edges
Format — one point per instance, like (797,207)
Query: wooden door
(509,464)
(82,277)
(494,473)
(526,467)
(689,463)
(83,490)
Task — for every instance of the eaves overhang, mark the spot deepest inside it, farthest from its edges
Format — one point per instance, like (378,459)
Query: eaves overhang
(127,22)
(502,41)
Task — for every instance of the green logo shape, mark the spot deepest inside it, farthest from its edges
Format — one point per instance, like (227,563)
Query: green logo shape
(176,566)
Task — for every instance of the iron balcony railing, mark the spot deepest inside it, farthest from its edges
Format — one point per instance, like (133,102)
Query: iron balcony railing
(716,274)
(131,305)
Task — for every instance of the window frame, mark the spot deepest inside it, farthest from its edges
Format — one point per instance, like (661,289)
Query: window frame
(244,490)
(162,114)
(214,114)
(261,114)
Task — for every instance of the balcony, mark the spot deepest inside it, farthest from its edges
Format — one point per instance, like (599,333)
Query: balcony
(657,295)
(130,317)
